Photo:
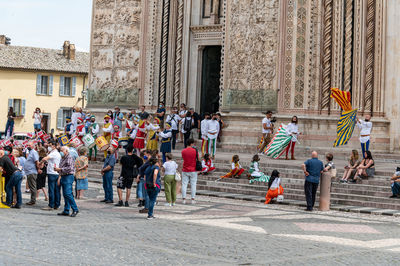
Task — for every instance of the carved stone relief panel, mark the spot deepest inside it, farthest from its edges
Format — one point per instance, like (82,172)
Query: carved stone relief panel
(115,52)
(251,49)
(300,55)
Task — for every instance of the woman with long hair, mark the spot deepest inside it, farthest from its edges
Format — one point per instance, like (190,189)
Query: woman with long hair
(366,168)
(292,129)
(10,122)
(274,187)
(351,168)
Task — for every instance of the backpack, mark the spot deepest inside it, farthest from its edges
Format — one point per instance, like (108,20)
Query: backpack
(187,125)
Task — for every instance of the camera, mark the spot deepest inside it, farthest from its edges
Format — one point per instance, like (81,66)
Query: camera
(273,119)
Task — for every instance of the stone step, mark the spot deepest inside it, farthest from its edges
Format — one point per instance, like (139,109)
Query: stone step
(355,192)
(299,195)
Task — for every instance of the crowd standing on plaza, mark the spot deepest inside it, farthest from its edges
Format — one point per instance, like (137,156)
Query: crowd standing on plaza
(147,141)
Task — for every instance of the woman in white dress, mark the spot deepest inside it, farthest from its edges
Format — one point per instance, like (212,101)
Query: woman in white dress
(292,129)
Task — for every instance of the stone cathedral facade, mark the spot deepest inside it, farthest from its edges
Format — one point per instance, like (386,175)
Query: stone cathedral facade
(244,57)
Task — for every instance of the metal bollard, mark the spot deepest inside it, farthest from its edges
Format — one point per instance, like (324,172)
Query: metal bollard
(325,192)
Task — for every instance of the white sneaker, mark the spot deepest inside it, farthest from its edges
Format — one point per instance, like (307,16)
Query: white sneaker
(173,204)
(193,202)
(183,201)
(168,204)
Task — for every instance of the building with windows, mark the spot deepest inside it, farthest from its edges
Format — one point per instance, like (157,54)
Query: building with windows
(53,80)
(244,57)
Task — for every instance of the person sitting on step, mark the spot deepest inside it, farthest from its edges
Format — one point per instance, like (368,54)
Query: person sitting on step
(207,165)
(236,168)
(274,187)
(330,166)
(366,168)
(254,172)
(395,183)
(351,168)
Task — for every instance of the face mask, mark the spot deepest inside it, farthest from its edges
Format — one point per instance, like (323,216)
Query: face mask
(215,118)
(160,106)
(108,152)
(62,154)
(29,148)
(6,152)
(49,149)
(366,120)
(145,157)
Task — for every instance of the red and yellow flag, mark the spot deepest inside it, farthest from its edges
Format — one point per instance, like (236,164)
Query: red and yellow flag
(343,98)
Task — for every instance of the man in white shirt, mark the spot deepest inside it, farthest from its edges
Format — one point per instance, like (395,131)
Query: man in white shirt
(212,133)
(204,134)
(53,160)
(267,130)
(182,114)
(174,119)
(365,133)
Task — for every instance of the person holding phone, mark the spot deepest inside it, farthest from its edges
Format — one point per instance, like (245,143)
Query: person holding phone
(37,119)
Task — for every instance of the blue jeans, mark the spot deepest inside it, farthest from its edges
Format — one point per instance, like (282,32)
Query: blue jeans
(146,198)
(140,189)
(15,181)
(364,148)
(153,197)
(66,183)
(107,185)
(54,191)
(37,126)
(9,125)
(396,188)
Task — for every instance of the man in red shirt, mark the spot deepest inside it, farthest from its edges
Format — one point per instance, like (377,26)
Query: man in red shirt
(189,173)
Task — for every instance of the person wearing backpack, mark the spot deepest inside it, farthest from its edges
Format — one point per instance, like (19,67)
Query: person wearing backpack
(174,119)
(129,171)
(187,127)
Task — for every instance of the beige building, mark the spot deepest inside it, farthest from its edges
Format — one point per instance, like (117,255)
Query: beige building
(52,80)
(244,57)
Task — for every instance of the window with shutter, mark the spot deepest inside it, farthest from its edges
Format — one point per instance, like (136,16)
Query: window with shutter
(10,103)
(61,86)
(73,86)
(45,85)
(60,118)
(23,107)
(51,85)
(67,86)
(39,84)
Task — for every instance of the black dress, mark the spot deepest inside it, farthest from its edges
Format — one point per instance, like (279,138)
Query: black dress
(41,178)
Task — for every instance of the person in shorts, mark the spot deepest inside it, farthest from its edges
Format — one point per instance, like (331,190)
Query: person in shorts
(130,165)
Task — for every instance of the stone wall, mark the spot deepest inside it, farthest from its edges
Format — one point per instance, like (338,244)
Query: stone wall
(251,55)
(115,53)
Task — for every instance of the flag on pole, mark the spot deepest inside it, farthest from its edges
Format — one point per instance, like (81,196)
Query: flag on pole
(343,98)
(278,143)
(345,127)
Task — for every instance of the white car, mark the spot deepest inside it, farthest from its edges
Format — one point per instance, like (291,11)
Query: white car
(19,138)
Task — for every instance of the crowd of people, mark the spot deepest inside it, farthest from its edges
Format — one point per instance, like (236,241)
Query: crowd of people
(148,141)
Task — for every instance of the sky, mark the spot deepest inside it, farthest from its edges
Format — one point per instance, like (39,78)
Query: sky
(47,23)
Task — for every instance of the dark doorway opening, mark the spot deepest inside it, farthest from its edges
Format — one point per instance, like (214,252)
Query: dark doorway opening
(45,122)
(210,79)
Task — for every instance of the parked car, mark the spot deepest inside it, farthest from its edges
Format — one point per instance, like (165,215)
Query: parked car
(19,138)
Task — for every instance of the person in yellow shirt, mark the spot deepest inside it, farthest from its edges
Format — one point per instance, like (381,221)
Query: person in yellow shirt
(107,130)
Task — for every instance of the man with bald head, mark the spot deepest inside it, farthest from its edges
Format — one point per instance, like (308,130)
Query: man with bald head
(67,171)
(312,169)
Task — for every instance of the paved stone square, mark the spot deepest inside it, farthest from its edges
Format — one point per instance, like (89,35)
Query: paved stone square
(214,231)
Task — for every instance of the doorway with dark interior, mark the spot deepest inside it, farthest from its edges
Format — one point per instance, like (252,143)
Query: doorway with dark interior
(210,79)
(45,122)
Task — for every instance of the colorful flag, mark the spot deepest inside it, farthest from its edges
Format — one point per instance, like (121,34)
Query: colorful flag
(343,98)
(278,143)
(345,127)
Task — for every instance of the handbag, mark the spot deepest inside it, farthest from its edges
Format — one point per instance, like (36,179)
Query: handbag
(199,167)
(178,176)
